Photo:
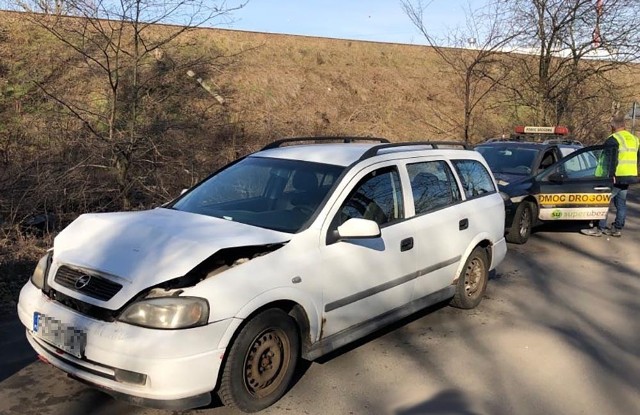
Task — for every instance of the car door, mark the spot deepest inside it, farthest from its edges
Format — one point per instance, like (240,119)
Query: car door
(365,278)
(440,224)
(578,187)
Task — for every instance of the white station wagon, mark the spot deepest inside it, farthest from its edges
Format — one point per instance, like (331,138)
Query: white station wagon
(286,254)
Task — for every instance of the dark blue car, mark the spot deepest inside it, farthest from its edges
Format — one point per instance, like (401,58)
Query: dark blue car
(547,181)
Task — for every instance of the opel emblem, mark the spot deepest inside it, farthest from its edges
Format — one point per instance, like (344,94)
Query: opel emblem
(82,282)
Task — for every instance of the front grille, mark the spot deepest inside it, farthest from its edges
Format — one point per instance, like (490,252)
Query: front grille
(81,307)
(86,283)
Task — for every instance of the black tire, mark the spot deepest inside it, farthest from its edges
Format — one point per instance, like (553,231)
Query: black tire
(522,224)
(261,362)
(472,281)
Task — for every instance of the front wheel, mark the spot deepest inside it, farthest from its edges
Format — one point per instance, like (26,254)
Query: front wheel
(520,229)
(472,281)
(261,362)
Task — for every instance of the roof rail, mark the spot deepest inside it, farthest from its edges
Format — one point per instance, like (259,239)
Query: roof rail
(323,139)
(496,139)
(514,138)
(523,139)
(373,151)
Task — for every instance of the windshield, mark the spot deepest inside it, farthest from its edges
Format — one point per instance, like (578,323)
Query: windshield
(270,193)
(509,160)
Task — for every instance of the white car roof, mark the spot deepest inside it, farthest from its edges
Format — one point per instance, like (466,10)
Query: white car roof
(341,154)
(345,154)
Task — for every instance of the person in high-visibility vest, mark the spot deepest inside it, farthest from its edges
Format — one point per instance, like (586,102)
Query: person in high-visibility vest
(625,168)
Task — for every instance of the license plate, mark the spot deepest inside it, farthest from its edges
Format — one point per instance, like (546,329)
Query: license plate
(59,334)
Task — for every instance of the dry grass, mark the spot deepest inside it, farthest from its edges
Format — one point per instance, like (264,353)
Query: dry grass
(274,86)
(18,256)
(282,85)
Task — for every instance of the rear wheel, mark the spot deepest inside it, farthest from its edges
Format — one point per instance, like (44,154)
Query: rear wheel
(261,362)
(472,281)
(522,224)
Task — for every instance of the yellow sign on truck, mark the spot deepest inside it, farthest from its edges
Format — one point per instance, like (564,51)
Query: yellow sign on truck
(577,199)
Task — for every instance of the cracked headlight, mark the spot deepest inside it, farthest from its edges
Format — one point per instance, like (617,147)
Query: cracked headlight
(40,273)
(167,313)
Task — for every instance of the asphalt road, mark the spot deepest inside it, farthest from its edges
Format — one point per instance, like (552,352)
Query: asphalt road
(557,333)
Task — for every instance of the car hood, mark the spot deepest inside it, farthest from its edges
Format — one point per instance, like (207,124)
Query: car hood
(143,249)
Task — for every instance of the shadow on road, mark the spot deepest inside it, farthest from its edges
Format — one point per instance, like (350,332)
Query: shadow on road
(16,352)
(448,402)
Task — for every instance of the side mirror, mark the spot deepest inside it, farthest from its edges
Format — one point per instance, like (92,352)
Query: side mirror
(356,228)
(556,177)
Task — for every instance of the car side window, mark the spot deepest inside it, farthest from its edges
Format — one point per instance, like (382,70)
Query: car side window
(378,197)
(475,178)
(432,185)
(585,165)
(575,165)
(548,159)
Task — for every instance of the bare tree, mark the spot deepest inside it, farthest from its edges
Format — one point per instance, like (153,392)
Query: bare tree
(475,53)
(122,41)
(576,43)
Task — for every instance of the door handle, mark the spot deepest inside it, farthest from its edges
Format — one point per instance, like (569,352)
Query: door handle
(463,224)
(602,188)
(406,244)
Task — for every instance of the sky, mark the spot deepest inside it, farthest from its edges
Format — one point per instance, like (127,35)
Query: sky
(375,20)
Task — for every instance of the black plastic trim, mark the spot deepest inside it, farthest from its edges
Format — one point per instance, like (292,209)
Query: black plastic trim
(50,356)
(374,151)
(323,139)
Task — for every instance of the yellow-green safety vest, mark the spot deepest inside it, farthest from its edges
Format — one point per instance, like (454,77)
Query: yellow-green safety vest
(627,153)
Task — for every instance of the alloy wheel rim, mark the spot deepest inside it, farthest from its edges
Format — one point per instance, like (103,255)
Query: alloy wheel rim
(524,223)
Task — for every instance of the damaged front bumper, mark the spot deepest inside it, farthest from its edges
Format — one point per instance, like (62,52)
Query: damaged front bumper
(173,369)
